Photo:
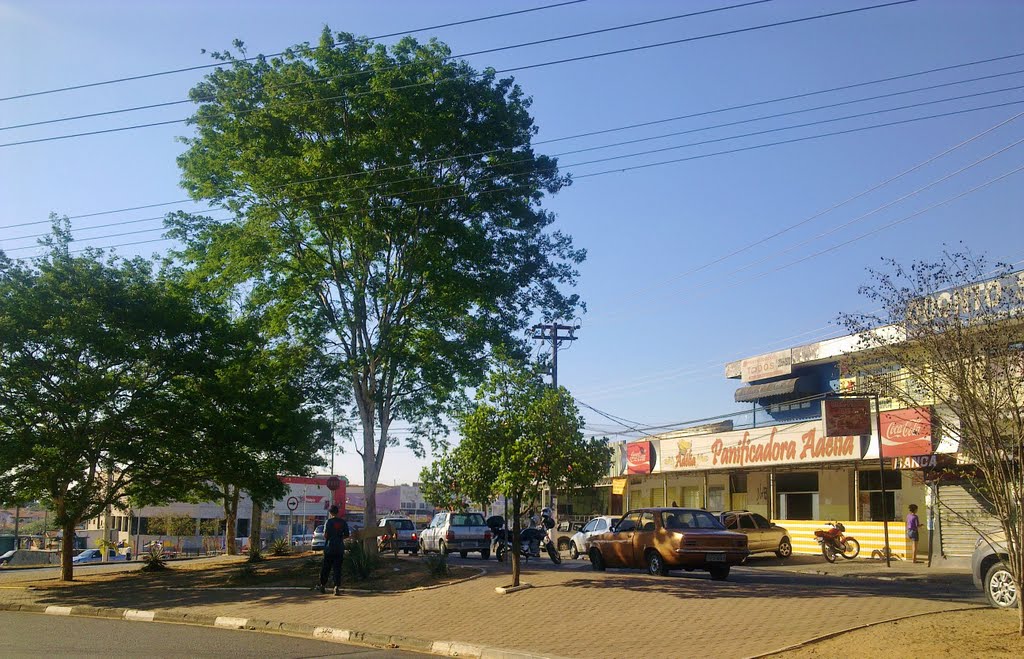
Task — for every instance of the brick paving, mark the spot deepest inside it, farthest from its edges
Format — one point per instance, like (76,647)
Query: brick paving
(575,612)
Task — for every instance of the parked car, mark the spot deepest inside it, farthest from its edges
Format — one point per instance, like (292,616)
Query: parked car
(318,538)
(405,538)
(663,539)
(991,575)
(762,534)
(96,556)
(5,558)
(579,543)
(355,521)
(562,534)
(461,532)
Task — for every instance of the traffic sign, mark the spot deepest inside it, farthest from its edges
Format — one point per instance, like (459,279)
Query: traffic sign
(333,483)
(293,503)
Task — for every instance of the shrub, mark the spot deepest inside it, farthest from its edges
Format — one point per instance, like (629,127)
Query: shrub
(280,547)
(153,561)
(359,564)
(437,565)
(255,555)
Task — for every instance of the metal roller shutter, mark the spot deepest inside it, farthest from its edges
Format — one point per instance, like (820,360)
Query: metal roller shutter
(959,535)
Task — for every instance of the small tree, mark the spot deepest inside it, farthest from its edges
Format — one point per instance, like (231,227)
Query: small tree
(955,333)
(519,436)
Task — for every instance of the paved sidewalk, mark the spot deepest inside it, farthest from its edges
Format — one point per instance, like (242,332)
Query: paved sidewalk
(572,611)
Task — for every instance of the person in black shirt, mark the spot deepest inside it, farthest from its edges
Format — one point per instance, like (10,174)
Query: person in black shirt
(335,532)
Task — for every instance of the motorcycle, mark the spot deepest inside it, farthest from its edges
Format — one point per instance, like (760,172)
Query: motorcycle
(530,541)
(834,541)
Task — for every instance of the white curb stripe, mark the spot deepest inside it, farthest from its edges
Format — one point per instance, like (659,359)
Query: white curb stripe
(58,610)
(230,623)
(135,614)
(456,649)
(331,634)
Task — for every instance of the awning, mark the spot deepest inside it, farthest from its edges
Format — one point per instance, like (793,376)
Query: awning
(786,387)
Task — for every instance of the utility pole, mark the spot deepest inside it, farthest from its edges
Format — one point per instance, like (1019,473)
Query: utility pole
(556,334)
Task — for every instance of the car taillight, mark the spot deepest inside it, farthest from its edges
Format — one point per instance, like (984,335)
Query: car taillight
(414,536)
(450,536)
(487,535)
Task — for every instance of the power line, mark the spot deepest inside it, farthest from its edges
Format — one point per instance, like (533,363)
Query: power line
(574,136)
(397,66)
(673,161)
(507,70)
(215,65)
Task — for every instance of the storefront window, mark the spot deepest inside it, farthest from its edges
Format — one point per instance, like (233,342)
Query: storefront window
(873,506)
(797,494)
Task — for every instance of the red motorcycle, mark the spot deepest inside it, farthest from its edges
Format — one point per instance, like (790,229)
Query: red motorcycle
(834,541)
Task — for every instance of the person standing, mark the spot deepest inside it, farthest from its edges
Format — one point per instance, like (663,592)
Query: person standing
(912,530)
(335,532)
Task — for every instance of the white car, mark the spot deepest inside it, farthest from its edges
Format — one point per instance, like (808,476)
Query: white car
(579,544)
(95,556)
(318,538)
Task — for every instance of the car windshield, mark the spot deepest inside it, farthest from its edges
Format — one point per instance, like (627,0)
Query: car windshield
(676,520)
(468,519)
(319,529)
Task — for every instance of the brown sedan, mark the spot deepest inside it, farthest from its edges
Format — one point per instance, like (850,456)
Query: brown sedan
(663,539)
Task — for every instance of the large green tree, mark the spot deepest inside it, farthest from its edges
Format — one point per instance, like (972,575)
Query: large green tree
(520,436)
(91,354)
(386,205)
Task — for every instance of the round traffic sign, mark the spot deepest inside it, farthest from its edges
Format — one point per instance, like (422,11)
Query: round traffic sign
(333,483)
(293,503)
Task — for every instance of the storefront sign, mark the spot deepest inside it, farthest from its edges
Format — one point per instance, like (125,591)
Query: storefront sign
(800,443)
(906,432)
(619,485)
(847,416)
(639,456)
(916,462)
(767,366)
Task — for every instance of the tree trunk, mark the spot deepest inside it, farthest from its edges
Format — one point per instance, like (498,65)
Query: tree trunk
(230,519)
(256,527)
(369,496)
(516,502)
(67,545)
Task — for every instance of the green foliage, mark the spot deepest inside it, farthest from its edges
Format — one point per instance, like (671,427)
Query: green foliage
(94,351)
(171,525)
(437,565)
(211,527)
(356,231)
(153,561)
(280,547)
(359,563)
(255,555)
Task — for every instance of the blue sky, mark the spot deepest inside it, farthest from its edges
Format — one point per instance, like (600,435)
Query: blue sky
(657,335)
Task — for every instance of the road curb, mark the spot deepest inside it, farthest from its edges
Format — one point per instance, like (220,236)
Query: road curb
(824,637)
(330,634)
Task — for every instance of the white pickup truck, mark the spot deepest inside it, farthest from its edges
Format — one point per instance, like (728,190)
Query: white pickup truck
(461,532)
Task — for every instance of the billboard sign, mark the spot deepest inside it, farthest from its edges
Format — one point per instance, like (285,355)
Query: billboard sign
(847,416)
(639,457)
(906,432)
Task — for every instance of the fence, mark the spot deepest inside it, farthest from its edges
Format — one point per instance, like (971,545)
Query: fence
(870,535)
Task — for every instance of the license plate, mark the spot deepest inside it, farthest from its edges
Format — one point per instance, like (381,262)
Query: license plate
(716,557)
(469,543)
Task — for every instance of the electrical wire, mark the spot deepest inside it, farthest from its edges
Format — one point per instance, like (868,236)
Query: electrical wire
(507,70)
(568,137)
(673,161)
(389,68)
(216,65)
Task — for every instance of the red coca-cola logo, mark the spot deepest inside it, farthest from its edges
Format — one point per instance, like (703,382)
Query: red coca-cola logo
(906,432)
(638,458)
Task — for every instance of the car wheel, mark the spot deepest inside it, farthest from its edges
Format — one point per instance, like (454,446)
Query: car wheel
(999,589)
(574,551)
(443,548)
(414,551)
(785,549)
(563,544)
(463,554)
(656,564)
(501,552)
(597,561)
(719,573)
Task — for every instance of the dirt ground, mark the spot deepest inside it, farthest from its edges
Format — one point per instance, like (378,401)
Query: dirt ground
(975,633)
(293,571)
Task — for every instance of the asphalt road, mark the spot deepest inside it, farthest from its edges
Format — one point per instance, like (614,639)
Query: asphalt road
(38,635)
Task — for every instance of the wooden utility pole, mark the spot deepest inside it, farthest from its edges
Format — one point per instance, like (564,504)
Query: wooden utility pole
(556,334)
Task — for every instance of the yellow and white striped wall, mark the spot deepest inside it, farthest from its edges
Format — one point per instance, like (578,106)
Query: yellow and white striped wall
(870,535)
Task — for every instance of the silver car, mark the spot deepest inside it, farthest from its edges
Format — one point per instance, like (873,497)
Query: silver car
(579,543)
(988,568)
(318,538)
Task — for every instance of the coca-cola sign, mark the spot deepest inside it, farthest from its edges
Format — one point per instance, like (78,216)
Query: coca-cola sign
(906,432)
(638,457)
